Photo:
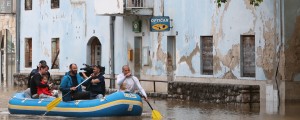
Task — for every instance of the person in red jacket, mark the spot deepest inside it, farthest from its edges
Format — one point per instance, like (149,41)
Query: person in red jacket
(44,92)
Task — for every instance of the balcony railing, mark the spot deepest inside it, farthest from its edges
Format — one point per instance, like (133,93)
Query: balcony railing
(139,4)
(124,7)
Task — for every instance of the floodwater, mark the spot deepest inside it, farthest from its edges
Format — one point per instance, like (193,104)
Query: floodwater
(179,110)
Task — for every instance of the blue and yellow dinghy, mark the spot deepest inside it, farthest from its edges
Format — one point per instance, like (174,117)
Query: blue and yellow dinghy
(115,104)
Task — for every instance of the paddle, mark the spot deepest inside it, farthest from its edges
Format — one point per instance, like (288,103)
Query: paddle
(56,101)
(155,113)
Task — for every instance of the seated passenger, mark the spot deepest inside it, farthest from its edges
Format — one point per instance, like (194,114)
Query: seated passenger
(32,73)
(44,92)
(96,86)
(68,85)
(129,83)
(35,81)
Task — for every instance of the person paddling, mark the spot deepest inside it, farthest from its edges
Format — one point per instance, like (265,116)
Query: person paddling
(129,83)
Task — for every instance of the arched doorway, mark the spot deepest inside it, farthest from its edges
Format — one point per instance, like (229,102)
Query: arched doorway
(94,51)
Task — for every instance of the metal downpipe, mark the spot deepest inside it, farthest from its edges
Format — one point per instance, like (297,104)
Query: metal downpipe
(112,50)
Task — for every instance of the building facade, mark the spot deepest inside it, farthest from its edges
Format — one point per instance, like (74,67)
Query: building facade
(62,32)
(235,43)
(8,36)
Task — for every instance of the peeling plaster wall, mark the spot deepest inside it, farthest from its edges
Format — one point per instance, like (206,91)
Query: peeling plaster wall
(195,18)
(7,22)
(74,23)
(292,41)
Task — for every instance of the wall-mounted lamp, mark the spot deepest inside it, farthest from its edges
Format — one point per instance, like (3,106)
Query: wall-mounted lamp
(176,32)
(143,33)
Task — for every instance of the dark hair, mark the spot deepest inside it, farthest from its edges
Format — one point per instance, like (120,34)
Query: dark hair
(45,76)
(43,62)
(70,66)
(44,66)
(98,66)
(102,69)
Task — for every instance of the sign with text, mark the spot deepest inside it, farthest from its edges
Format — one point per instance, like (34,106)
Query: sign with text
(160,23)
(6,6)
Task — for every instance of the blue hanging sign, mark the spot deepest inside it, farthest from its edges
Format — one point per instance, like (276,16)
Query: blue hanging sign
(160,23)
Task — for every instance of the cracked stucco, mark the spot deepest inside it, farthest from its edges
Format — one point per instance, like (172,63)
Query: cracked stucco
(188,59)
(161,56)
(266,54)
(231,60)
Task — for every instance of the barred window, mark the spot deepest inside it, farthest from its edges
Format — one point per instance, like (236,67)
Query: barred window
(28,4)
(207,55)
(248,55)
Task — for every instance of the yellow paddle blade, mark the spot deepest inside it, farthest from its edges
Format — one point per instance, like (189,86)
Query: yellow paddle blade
(156,115)
(52,104)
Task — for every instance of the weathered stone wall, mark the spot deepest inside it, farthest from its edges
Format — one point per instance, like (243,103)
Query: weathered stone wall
(21,79)
(215,93)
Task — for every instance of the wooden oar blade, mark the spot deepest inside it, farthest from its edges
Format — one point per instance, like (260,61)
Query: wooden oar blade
(52,104)
(156,115)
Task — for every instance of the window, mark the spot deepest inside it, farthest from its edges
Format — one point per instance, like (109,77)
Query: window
(28,52)
(55,53)
(28,4)
(207,55)
(248,56)
(54,4)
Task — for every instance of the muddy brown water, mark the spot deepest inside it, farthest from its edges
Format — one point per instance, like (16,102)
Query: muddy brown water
(178,110)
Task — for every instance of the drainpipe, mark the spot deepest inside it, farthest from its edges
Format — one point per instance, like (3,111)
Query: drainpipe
(18,21)
(112,51)
(277,82)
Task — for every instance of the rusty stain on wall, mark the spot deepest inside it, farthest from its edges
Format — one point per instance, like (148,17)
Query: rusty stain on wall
(292,53)
(266,55)
(188,59)
(160,54)
(216,62)
(231,59)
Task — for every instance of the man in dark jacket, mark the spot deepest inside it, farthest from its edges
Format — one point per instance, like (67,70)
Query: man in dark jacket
(96,85)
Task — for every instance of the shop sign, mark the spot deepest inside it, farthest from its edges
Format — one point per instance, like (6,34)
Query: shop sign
(160,24)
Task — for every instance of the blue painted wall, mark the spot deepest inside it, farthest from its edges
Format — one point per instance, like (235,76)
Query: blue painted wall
(74,23)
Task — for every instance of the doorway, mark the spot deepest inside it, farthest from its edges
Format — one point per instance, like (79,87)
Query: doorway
(171,57)
(94,51)
(137,56)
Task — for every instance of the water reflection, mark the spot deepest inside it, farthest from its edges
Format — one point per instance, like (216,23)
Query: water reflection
(177,110)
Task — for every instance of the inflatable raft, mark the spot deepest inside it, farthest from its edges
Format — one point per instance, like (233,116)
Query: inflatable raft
(115,104)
